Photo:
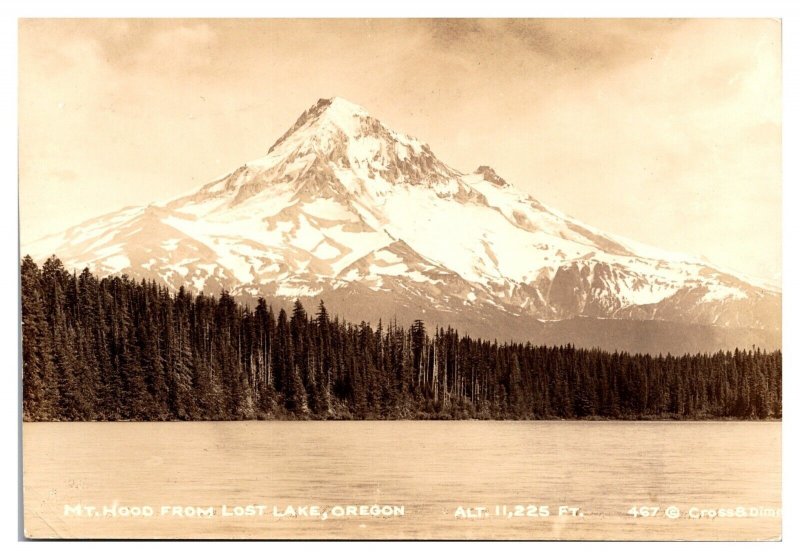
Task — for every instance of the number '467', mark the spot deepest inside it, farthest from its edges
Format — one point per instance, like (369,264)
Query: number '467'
(644,512)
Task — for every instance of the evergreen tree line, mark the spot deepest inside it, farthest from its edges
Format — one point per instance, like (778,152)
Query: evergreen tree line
(116,349)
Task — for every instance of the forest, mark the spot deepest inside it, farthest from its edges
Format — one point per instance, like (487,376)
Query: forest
(113,348)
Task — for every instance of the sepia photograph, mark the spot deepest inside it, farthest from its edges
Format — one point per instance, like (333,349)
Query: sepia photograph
(401,279)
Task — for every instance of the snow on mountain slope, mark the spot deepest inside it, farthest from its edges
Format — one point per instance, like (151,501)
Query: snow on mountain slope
(341,201)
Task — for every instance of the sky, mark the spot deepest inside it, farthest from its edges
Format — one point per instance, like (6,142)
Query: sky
(667,132)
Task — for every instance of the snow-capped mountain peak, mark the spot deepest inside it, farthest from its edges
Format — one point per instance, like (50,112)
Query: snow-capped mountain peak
(326,116)
(341,203)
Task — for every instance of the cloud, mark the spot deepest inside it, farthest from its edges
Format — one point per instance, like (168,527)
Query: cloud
(583,43)
(186,46)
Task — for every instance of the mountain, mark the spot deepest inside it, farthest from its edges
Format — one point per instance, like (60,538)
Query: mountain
(345,209)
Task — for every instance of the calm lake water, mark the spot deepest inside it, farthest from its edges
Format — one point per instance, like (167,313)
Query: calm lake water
(424,470)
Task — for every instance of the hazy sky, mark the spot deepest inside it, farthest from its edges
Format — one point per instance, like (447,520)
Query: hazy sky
(666,132)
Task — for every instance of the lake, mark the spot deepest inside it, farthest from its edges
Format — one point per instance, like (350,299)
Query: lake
(404,480)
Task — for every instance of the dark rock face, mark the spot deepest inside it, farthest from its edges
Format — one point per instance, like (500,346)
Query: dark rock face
(491,176)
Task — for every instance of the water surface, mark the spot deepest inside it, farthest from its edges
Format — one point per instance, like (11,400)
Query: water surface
(430,469)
